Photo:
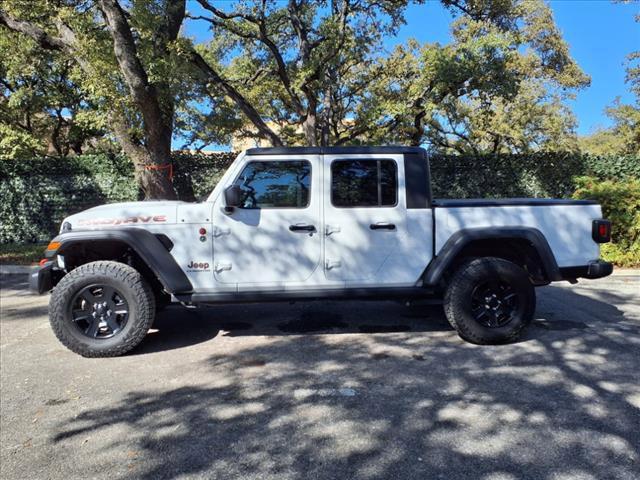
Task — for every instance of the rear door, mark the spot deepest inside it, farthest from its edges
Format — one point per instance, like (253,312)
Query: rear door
(274,238)
(365,217)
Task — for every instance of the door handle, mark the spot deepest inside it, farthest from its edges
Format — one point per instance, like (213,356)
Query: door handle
(382,226)
(302,228)
(331,264)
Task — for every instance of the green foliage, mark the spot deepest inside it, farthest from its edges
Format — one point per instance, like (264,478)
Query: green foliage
(21,254)
(319,73)
(612,167)
(42,109)
(620,200)
(37,194)
(496,176)
(623,138)
(196,174)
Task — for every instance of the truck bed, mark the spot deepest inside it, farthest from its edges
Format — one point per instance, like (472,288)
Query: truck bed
(566,224)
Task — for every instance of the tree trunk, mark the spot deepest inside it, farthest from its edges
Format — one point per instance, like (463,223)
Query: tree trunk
(155,183)
(152,173)
(309,130)
(157,123)
(154,177)
(149,160)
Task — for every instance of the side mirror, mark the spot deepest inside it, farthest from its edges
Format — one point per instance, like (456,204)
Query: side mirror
(232,197)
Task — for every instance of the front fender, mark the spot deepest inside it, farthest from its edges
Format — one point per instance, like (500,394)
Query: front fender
(148,247)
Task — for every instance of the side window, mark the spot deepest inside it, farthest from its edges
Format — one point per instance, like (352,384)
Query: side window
(364,183)
(275,184)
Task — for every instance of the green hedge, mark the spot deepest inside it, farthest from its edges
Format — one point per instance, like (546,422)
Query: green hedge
(620,202)
(535,175)
(37,194)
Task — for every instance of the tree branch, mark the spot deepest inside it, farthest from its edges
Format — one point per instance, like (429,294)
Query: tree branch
(126,53)
(252,114)
(260,35)
(43,39)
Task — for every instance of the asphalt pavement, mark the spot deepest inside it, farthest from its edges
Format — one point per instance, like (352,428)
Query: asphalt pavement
(329,390)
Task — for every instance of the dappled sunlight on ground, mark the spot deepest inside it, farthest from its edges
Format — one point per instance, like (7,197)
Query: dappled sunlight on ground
(299,391)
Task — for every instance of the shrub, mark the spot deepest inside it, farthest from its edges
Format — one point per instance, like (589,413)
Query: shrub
(611,167)
(620,202)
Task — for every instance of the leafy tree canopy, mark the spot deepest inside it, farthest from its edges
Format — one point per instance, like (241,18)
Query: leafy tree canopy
(288,72)
(318,72)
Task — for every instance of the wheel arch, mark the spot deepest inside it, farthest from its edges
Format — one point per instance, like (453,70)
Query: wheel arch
(522,245)
(152,253)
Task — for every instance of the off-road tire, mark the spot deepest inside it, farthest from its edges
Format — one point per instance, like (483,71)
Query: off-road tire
(128,282)
(458,300)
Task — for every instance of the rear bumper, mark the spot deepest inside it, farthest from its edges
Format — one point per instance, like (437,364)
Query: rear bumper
(595,269)
(41,278)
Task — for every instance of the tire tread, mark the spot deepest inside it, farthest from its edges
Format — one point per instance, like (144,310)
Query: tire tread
(139,289)
(466,271)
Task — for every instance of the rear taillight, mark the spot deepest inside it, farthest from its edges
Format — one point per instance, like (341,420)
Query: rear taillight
(601,231)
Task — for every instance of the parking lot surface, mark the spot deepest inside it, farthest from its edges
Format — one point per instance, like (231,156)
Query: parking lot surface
(323,390)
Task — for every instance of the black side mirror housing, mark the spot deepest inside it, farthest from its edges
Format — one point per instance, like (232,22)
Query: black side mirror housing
(232,197)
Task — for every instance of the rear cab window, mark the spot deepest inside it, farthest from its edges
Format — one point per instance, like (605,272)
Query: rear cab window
(364,183)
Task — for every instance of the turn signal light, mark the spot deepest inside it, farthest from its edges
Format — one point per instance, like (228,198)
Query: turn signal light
(53,246)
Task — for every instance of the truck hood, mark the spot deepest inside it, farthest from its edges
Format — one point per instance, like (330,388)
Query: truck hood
(126,214)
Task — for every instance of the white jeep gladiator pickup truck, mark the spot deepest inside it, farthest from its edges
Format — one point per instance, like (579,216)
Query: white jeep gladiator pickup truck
(315,223)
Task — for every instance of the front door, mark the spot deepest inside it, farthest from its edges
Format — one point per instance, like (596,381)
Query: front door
(274,238)
(365,217)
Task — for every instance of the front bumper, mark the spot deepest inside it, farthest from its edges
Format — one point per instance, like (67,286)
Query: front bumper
(42,277)
(595,269)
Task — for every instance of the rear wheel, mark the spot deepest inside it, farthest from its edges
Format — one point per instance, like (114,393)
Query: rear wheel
(101,309)
(489,301)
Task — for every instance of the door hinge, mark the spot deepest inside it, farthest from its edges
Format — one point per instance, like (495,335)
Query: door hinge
(331,264)
(329,229)
(219,231)
(220,267)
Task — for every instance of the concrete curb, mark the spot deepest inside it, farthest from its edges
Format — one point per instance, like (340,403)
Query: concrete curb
(626,272)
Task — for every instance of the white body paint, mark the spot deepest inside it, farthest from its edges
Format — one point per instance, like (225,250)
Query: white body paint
(254,250)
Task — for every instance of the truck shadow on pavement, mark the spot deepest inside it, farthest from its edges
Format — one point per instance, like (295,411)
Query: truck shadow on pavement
(177,327)
(564,402)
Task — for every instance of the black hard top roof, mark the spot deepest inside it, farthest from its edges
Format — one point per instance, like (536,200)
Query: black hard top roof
(334,150)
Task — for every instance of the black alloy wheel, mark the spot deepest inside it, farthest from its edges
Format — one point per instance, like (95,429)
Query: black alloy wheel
(99,311)
(493,304)
(489,300)
(102,309)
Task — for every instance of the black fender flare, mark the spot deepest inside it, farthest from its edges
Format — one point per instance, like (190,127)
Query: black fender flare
(454,245)
(148,247)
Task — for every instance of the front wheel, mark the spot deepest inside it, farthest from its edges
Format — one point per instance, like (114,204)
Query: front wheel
(101,309)
(489,301)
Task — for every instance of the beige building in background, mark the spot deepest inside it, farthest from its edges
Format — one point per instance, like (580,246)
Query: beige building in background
(239,143)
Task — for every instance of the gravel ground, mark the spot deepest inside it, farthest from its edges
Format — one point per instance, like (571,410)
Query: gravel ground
(367,390)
